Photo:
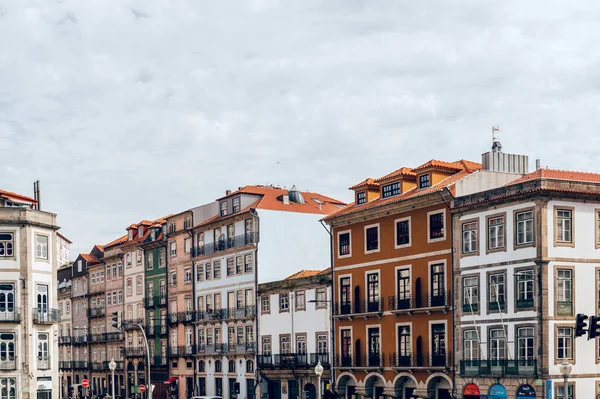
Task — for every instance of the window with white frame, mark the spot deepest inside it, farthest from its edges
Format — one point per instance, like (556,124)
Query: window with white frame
(284,344)
(560,392)
(372,238)
(173,249)
(265,305)
(199,272)
(173,278)
(236,204)
(524,289)
(223,208)
(564,226)
(138,285)
(469,237)
(525,343)
(524,231)
(496,232)
(470,345)
(564,286)
(41,246)
(248,263)
(217,269)
(8,388)
(497,285)
(564,343)
(128,260)
(301,344)
(284,302)
(187,245)
(7,351)
(436,226)
(402,232)
(187,275)
(497,344)
(7,245)
(266,345)
(344,244)
(471,294)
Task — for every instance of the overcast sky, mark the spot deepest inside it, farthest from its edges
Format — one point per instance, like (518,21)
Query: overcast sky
(128,110)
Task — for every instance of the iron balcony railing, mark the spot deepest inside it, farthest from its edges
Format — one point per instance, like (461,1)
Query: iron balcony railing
(394,303)
(79,339)
(96,338)
(46,316)
(80,365)
(155,301)
(425,360)
(128,324)
(215,349)
(225,314)
(498,367)
(44,363)
(156,329)
(400,360)
(172,319)
(13,316)
(158,360)
(64,340)
(96,312)
(226,243)
(240,313)
(98,366)
(118,362)
(7,365)
(113,336)
(65,365)
(188,316)
(293,360)
(133,351)
(524,303)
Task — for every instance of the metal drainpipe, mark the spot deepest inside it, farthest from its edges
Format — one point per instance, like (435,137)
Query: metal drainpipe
(191,234)
(256,308)
(332,327)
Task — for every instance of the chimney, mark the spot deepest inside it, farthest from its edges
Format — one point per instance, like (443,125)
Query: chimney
(36,194)
(537,164)
(286,199)
(227,192)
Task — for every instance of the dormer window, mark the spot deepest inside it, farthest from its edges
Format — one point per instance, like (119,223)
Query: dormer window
(361,197)
(130,235)
(152,235)
(140,231)
(424,181)
(390,190)
(223,207)
(236,204)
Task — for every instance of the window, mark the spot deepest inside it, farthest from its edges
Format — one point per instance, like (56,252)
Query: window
(187,275)
(249,335)
(470,345)
(469,237)
(230,265)
(301,344)
(173,249)
(322,343)
(187,222)
(300,301)
(173,278)
(524,289)
(239,299)
(266,345)
(564,284)
(250,367)
(41,246)
(265,305)
(361,197)
(497,347)
(344,244)
(284,302)
(525,344)
(390,190)
(345,304)
(346,347)
(402,232)
(138,285)
(7,351)
(119,270)
(128,260)
(321,298)
(436,226)
(403,300)
(218,366)
(149,261)
(564,226)
(495,233)
(217,269)
(8,388)
(374,347)
(139,256)
(560,392)
(42,297)
(239,266)
(404,346)
(207,271)
(79,262)
(172,227)
(129,287)
(42,351)
(424,181)
(186,245)
(120,296)
(248,263)
(524,221)
(7,246)
(235,204)
(564,343)
(471,294)
(223,207)
(199,272)
(284,345)
(373,292)
(496,291)
(200,243)
(372,238)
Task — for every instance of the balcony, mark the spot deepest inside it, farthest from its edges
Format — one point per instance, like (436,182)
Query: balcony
(133,352)
(500,367)
(13,316)
(158,361)
(44,363)
(96,338)
(64,340)
(184,350)
(211,315)
(118,362)
(46,316)
(216,349)
(79,365)
(186,317)
(129,324)
(65,365)
(156,329)
(155,301)
(228,243)
(293,360)
(8,365)
(241,313)
(172,319)
(524,303)
(98,366)
(80,340)
(113,336)
(376,360)
(96,312)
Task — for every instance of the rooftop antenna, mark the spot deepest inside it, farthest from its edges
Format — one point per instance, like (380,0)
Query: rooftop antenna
(496,146)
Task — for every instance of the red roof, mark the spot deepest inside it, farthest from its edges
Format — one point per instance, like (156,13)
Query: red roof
(365,183)
(307,273)
(271,200)
(119,240)
(558,175)
(89,258)
(17,197)
(403,171)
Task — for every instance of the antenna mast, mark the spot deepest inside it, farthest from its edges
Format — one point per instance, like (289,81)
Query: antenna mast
(496,146)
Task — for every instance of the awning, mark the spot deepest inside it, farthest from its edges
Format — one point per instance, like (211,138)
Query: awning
(171,380)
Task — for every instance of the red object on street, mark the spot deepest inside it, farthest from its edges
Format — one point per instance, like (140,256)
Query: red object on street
(142,388)
(85,383)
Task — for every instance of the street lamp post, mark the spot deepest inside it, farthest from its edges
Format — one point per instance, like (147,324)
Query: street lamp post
(319,372)
(112,366)
(565,370)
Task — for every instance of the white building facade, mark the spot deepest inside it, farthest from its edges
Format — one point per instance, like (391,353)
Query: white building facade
(295,335)
(527,260)
(28,299)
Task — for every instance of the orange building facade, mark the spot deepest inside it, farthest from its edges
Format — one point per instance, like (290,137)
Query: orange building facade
(392,262)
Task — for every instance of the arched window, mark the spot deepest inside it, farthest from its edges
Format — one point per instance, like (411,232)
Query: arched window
(249,366)
(231,366)
(218,367)
(201,366)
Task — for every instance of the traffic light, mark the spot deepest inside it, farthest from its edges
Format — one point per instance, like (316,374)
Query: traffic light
(594,328)
(236,388)
(116,323)
(580,326)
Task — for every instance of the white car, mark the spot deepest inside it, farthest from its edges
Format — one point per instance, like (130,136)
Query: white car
(206,397)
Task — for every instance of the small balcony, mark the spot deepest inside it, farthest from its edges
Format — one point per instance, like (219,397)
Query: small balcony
(96,338)
(409,361)
(186,350)
(64,340)
(80,340)
(80,365)
(13,316)
(186,317)
(158,361)
(226,243)
(172,318)
(8,365)
(96,312)
(98,366)
(118,362)
(46,316)
(290,361)
(524,303)
(498,367)
(211,315)
(156,329)
(113,336)
(216,349)
(133,352)
(44,363)
(241,313)
(155,301)
(65,365)
(129,324)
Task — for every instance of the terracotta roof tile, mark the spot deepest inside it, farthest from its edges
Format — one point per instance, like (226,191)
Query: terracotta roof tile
(365,183)
(304,273)
(15,196)
(119,240)
(403,171)
(270,200)
(558,174)
(89,258)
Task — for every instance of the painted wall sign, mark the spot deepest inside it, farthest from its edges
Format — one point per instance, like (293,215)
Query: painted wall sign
(525,391)
(471,389)
(497,391)
(548,389)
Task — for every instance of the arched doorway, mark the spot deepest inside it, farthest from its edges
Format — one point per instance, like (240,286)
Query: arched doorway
(374,386)
(525,391)
(497,391)
(404,387)
(310,391)
(439,386)
(346,386)
(471,391)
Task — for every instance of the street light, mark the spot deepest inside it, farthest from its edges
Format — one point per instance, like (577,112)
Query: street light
(112,366)
(565,370)
(319,373)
